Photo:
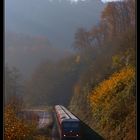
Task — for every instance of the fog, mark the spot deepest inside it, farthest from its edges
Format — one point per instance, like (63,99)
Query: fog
(28,21)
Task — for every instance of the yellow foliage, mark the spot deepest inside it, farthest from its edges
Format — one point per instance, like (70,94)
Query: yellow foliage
(15,128)
(103,92)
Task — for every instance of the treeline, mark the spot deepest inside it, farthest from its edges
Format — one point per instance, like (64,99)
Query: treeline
(104,96)
(52,82)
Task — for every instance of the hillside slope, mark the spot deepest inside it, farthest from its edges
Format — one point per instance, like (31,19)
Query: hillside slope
(110,106)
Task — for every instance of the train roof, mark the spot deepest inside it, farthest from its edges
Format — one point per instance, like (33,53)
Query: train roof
(69,113)
(65,115)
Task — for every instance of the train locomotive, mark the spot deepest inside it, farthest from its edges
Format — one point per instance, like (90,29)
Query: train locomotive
(68,124)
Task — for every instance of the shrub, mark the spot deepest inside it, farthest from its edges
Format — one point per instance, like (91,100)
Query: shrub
(14,127)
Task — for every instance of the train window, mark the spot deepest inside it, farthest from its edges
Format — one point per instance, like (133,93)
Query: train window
(70,125)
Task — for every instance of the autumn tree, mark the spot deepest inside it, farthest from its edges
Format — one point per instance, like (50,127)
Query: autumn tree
(116,17)
(112,102)
(107,48)
(15,128)
(131,11)
(82,40)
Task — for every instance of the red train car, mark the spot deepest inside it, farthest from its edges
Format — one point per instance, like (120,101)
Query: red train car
(69,125)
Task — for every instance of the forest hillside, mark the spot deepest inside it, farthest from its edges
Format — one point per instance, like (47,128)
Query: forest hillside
(105,94)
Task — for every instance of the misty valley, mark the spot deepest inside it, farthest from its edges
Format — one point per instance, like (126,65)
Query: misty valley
(70,70)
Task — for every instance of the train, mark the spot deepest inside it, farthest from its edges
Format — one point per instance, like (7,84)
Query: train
(68,124)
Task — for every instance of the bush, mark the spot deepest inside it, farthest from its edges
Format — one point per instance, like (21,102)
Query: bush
(15,128)
(112,101)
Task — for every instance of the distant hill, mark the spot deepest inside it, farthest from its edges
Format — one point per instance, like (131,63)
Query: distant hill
(26,52)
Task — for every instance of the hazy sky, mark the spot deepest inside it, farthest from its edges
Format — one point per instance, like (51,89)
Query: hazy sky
(56,19)
(30,24)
